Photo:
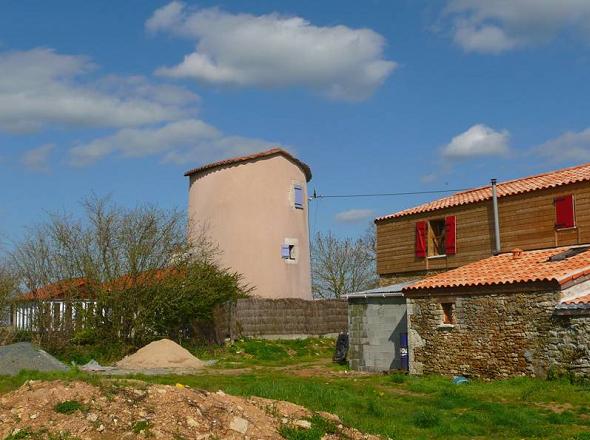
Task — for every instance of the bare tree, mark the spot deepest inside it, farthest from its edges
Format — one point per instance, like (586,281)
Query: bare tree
(341,266)
(108,242)
(8,285)
(144,275)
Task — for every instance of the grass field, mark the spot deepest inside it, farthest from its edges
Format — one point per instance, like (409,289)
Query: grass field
(395,406)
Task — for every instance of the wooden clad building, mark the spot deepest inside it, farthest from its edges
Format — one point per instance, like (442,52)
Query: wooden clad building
(537,212)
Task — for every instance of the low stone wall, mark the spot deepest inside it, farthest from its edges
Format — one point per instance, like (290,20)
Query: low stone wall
(375,326)
(281,318)
(499,334)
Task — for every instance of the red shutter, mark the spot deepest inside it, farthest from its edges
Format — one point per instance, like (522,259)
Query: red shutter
(451,235)
(564,212)
(421,228)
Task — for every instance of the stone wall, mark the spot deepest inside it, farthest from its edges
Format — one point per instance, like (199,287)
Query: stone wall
(568,348)
(498,334)
(374,326)
(281,318)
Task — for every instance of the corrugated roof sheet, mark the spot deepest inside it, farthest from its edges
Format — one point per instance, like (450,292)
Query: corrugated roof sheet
(503,269)
(263,154)
(566,176)
(392,290)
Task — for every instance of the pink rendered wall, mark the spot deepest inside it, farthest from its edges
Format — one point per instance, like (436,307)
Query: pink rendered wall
(249,210)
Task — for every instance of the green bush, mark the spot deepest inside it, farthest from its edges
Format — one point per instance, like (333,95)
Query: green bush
(164,304)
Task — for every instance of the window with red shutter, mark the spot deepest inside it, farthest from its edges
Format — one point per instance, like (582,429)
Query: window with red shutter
(565,216)
(421,229)
(451,235)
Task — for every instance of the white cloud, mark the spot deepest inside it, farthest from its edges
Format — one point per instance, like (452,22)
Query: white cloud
(183,141)
(570,146)
(274,51)
(478,140)
(494,26)
(355,215)
(37,159)
(40,87)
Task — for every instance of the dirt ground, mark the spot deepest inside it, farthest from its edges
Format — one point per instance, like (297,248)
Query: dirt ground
(135,409)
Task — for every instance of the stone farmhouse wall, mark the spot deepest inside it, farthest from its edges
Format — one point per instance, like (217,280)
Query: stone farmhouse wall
(281,318)
(568,346)
(496,334)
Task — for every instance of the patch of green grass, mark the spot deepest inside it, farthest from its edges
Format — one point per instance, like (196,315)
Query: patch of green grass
(69,407)
(141,425)
(261,352)
(426,419)
(24,433)
(319,428)
(42,434)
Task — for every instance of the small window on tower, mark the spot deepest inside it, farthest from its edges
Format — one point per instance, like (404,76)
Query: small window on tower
(298,196)
(289,250)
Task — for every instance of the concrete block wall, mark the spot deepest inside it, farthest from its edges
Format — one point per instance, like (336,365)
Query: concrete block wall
(375,326)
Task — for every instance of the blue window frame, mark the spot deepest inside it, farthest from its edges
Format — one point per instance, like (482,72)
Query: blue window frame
(298,192)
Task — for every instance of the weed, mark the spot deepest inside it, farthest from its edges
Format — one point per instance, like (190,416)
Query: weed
(426,419)
(69,407)
(141,425)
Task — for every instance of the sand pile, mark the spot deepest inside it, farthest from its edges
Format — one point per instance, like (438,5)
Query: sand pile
(161,354)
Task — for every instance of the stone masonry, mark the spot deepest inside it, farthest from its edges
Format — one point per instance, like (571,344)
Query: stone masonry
(496,334)
(374,326)
(568,348)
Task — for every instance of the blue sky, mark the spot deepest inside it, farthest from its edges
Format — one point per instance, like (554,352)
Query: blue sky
(121,98)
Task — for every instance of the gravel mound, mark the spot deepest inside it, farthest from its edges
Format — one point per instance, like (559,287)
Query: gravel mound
(161,354)
(25,356)
(137,410)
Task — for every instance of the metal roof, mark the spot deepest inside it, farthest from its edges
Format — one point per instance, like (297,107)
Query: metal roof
(392,290)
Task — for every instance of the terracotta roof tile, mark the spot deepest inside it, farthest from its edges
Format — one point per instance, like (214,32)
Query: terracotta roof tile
(234,160)
(566,176)
(59,290)
(81,288)
(531,266)
(585,300)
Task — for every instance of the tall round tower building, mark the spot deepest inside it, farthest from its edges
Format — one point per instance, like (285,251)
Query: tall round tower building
(255,209)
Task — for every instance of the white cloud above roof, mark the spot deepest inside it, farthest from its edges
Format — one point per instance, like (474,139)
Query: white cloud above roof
(495,26)
(183,141)
(40,87)
(273,50)
(570,146)
(478,140)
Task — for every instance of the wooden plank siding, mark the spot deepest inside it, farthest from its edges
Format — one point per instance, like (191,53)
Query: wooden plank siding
(527,221)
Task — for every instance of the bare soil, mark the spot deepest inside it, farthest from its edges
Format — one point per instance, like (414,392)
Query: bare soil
(134,409)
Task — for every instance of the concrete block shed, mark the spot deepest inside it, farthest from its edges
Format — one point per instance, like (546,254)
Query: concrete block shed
(377,326)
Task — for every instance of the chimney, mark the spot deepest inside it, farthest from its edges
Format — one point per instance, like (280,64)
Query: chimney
(516,253)
(497,245)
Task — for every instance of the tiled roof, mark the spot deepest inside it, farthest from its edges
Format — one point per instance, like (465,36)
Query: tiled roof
(581,300)
(566,176)
(81,288)
(508,268)
(234,160)
(58,290)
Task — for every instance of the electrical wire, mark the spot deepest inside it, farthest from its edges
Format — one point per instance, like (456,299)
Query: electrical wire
(409,193)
